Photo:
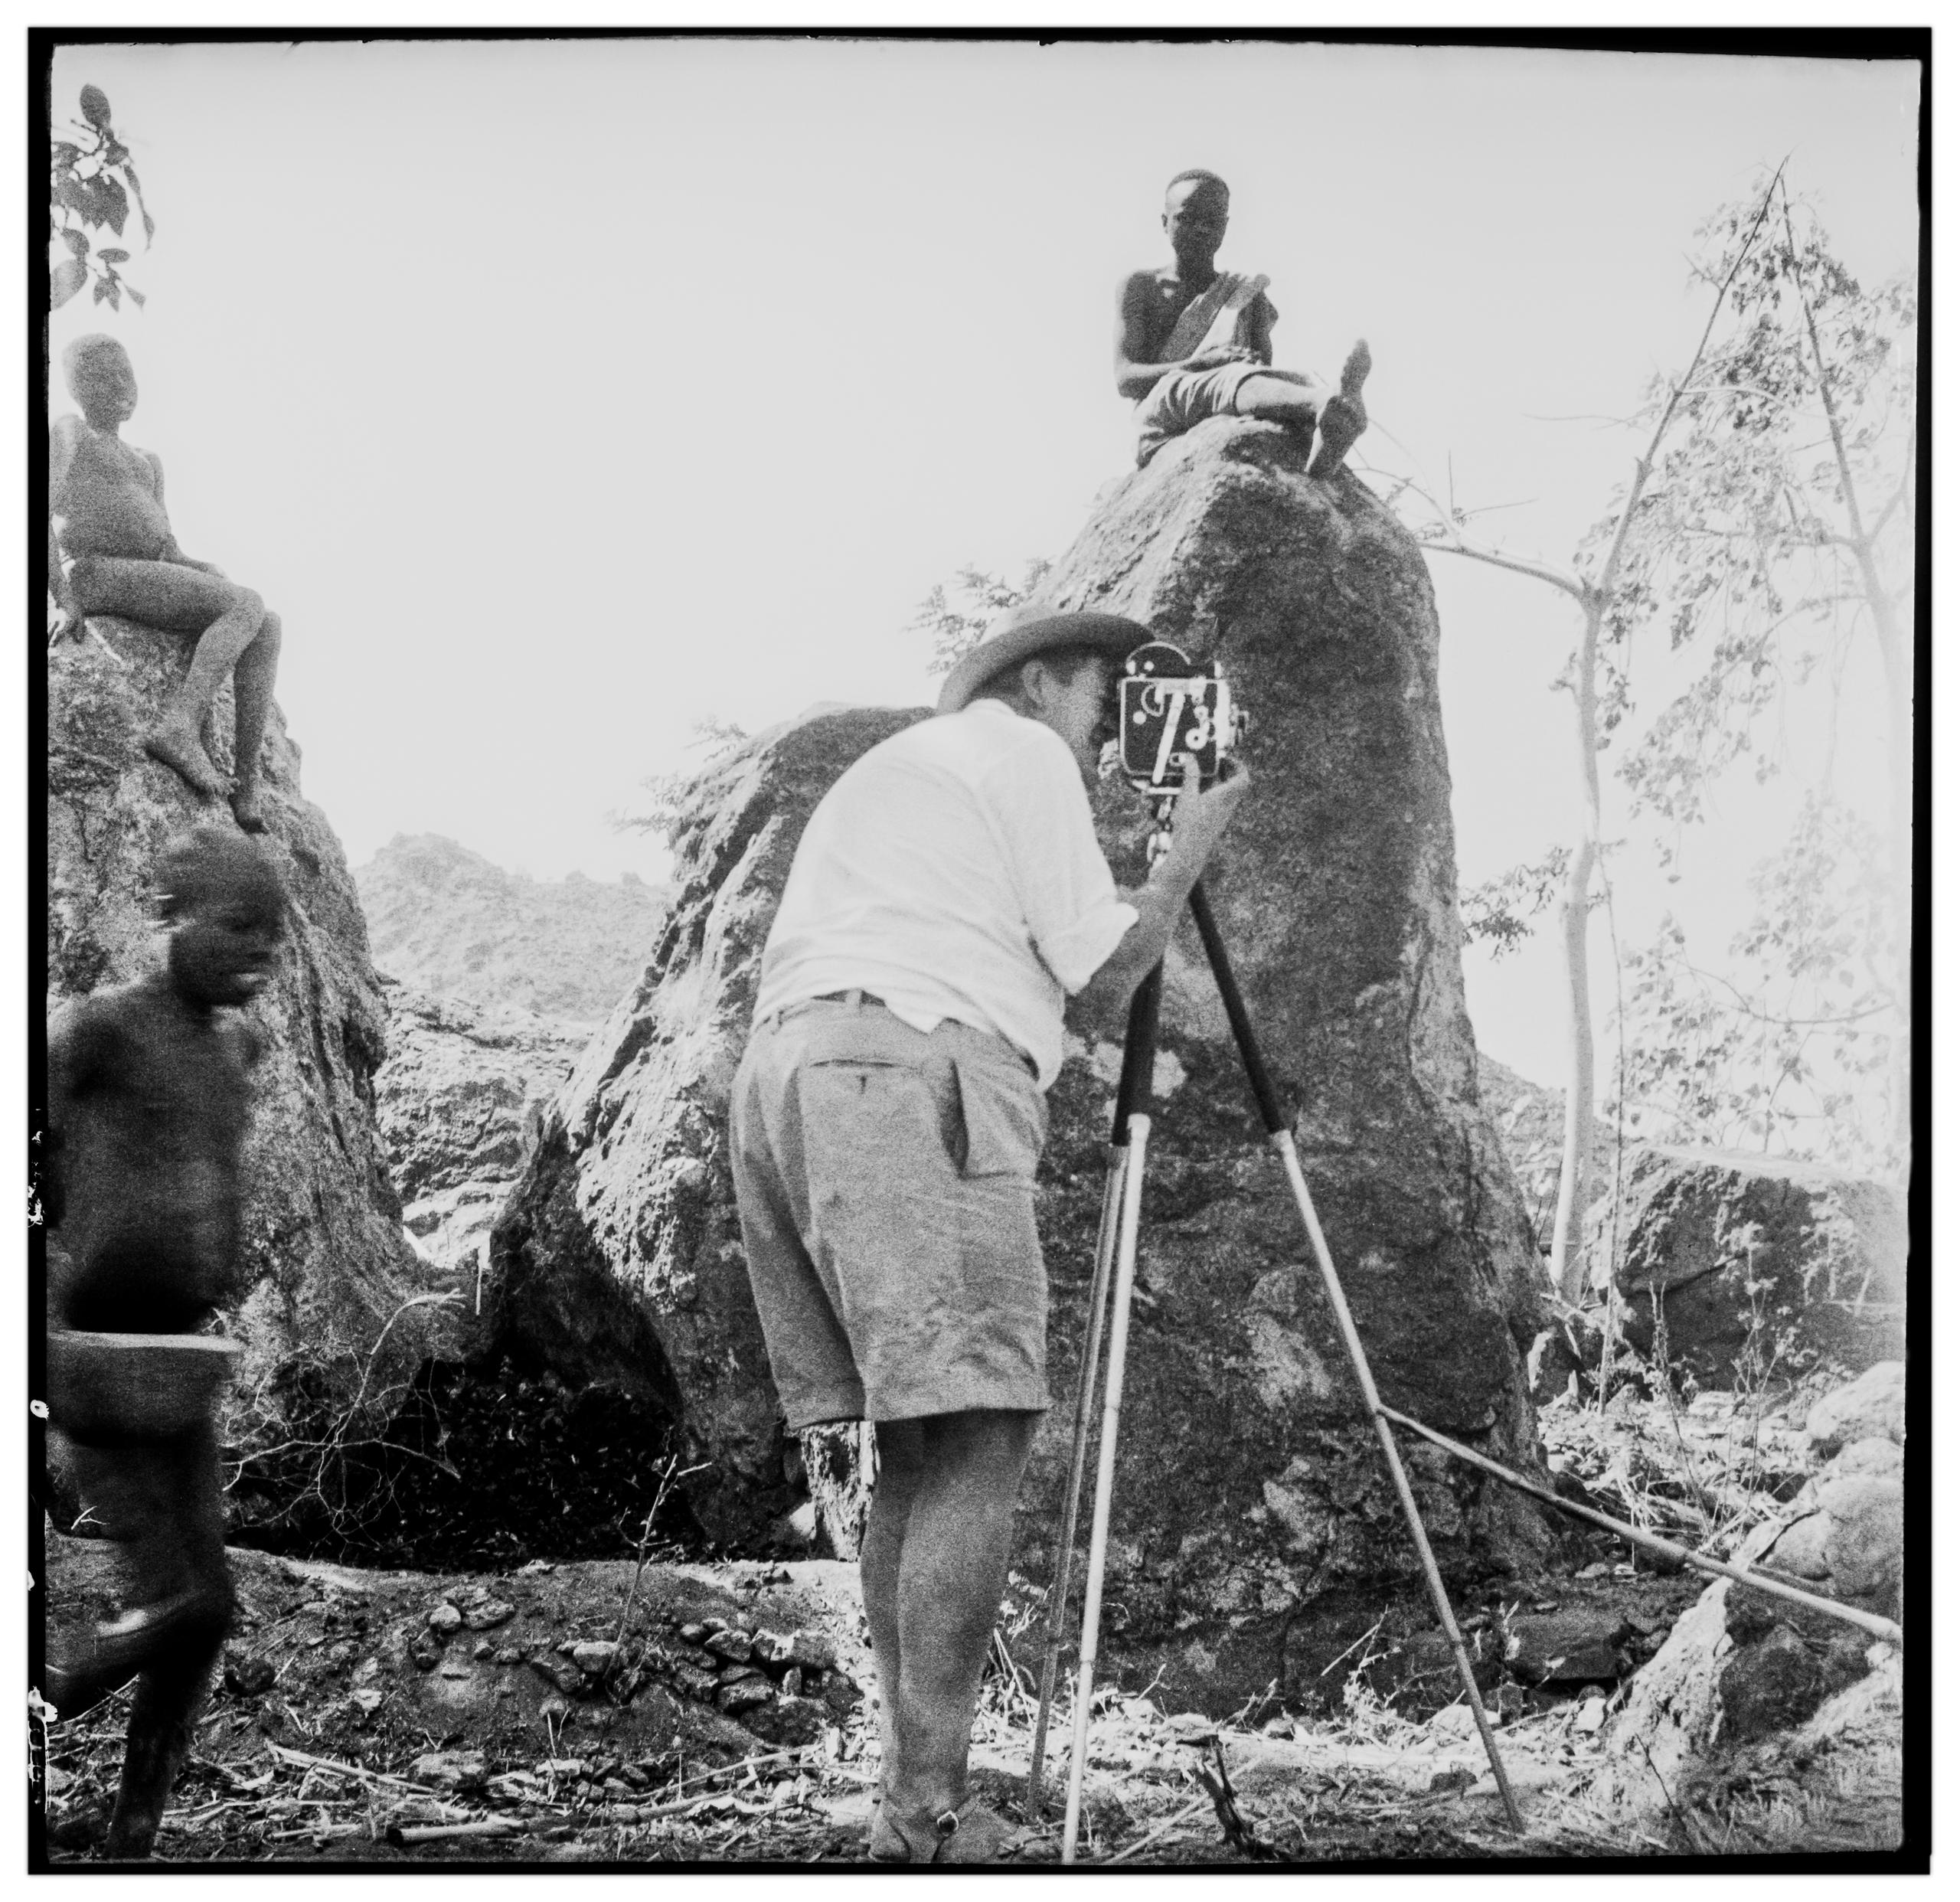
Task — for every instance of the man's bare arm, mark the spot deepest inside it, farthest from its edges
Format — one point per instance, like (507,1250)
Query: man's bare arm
(1200,822)
(1136,376)
(1260,321)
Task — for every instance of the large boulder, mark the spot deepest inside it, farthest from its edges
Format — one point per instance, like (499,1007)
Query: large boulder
(1873,1406)
(1248,1479)
(337,1301)
(1759,1263)
(1741,1668)
(617,1261)
(461,1098)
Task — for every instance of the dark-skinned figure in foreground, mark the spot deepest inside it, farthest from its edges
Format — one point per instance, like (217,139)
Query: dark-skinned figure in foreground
(149,1102)
(1194,342)
(111,550)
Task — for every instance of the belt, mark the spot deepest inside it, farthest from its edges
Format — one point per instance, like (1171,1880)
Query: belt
(857,999)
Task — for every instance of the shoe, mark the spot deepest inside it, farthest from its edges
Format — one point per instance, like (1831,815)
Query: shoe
(972,1833)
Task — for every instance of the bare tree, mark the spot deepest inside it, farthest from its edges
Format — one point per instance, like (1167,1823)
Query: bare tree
(1594,585)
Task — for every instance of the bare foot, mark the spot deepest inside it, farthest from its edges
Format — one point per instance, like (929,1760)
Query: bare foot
(179,748)
(245,809)
(1343,416)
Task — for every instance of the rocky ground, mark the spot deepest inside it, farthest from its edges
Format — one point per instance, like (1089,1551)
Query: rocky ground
(626,1711)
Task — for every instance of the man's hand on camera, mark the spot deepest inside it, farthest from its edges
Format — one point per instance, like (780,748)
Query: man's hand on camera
(1199,820)
(1202,813)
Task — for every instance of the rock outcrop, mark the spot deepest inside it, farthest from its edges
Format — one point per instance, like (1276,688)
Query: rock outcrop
(461,1098)
(1873,1406)
(1247,1481)
(1752,1258)
(445,920)
(1742,1671)
(618,1259)
(327,1265)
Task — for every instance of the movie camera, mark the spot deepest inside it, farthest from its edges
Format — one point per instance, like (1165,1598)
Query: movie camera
(1169,710)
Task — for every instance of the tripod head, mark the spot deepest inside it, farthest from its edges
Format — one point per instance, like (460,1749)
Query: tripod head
(1170,711)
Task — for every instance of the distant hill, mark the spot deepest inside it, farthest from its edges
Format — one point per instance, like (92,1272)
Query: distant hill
(444,919)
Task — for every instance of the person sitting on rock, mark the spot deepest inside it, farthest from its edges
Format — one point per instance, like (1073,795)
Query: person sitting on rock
(110,550)
(886,1122)
(148,1099)
(1194,342)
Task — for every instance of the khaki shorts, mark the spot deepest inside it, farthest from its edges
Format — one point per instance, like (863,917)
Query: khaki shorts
(886,1181)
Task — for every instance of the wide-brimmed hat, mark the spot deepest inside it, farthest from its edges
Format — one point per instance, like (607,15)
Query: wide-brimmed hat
(1029,629)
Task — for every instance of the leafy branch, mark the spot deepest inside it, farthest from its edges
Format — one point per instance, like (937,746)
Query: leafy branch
(91,186)
(957,614)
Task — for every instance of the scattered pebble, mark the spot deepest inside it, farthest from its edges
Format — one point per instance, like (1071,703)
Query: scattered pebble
(246,1677)
(488,1616)
(812,1649)
(444,1618)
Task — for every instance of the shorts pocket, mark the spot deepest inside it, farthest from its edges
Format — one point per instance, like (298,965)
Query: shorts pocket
(1004,1115)
(890,1082)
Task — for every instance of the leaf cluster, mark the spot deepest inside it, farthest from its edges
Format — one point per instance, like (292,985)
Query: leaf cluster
(1498,912)
(956,615)
(667,792)
(91,186)
(1777,517)
(1788,1052)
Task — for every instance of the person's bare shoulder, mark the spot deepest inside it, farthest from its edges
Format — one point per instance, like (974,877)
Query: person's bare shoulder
(1138,287)
(66,430)
(86,1034)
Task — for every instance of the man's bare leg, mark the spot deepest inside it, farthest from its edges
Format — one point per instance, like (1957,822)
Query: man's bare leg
(900,1464)
(1345,416)
(226,618)
(952,1480)
(1294,397)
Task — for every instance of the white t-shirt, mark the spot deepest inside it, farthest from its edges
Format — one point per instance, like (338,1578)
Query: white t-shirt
(953,871)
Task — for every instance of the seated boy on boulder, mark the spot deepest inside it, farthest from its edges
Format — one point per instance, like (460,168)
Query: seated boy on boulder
(110,550)
(148,1098)
(1194,342)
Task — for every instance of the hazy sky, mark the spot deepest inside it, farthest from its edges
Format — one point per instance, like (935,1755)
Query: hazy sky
(559,395)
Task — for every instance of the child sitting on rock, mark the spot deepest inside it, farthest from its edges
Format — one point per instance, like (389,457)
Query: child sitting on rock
(110,550)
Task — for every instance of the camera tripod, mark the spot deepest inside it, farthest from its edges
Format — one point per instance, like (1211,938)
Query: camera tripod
(1115,1247)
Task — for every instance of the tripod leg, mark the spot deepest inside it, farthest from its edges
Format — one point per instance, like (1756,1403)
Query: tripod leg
(1085,1395)
(1105,1478)
(1281,1139)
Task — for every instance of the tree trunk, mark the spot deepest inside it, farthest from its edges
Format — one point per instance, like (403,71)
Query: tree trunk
(1897,659)
(1576,1167)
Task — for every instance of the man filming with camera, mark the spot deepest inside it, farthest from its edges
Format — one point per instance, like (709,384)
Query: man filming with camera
(947,895)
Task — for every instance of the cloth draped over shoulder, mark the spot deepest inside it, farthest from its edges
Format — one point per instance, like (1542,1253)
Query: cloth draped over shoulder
(1214,316)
